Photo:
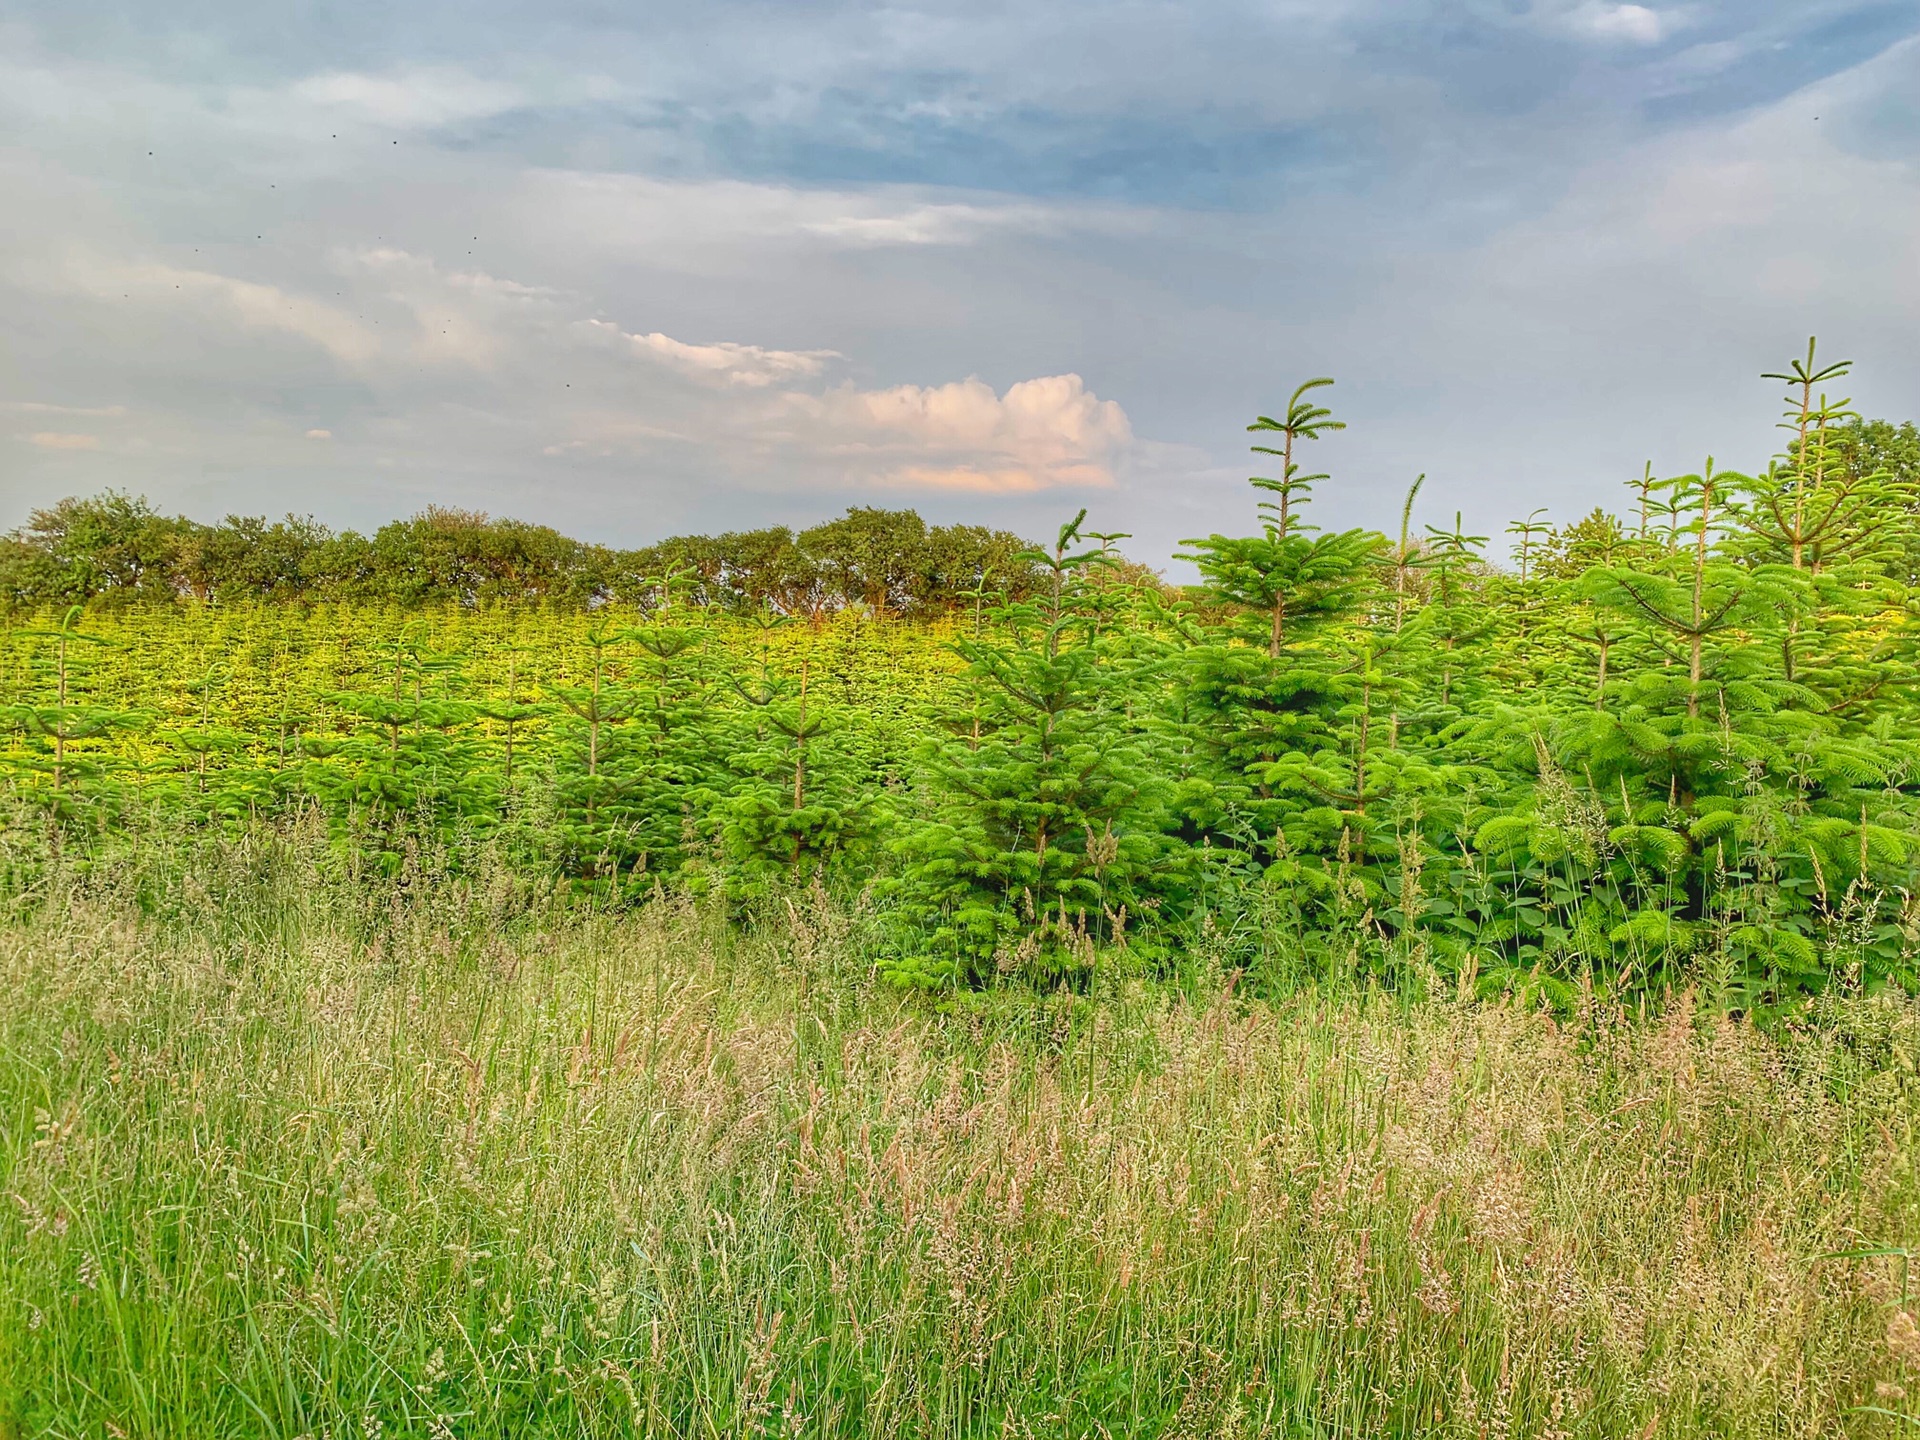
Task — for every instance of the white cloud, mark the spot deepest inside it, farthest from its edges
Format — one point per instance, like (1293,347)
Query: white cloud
(1742,213)
(204,293)
(414,98)
(517,357)
(1653,293)
(463,317)
(40,407)
(411,271)
(724,361)
(702,225)
(600,391)
(1635,24)
(58,440)
(858,222)
(1042,434)
(1613,267)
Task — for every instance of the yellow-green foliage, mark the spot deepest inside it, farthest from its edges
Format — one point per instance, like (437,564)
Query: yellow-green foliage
(287,1157)
(266,661)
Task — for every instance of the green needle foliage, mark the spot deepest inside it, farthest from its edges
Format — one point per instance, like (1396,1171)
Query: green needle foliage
(1044,833)
(594,779)
(1674,746)
(62,768)
(799,811)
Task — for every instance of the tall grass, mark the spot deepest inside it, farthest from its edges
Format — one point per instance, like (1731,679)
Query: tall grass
(285,1154)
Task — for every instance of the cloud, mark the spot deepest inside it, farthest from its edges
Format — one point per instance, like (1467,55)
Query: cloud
(1636,313)
(996,480)
(58,440)
(459,359)
(724,361)
(409,272)
(38,407)
(608,282)
(446,315)
(412,99)
(962,437)
(1040,435)
(206,294)
(1743,213)
(711,224)
(1635,24)
(865,224)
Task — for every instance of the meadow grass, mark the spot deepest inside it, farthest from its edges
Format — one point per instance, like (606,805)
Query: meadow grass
(285,1153)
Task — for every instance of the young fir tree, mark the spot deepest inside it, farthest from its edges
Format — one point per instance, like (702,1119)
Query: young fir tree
(1269,687)
(204,767)
(675,750)
(1860,447)
(513,709)
(1460,616)
(598,814)
(62,766)
(1043,837)
(1708,705)
(406,764)
(1412,630)
(1593,634)
(1837,524)
(1715,793)
(797,807)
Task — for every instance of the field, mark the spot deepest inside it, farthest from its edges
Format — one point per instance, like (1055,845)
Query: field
(291,1154)
(884,981)
(1673,748)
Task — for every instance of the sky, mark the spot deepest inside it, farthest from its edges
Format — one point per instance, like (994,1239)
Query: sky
(645,269)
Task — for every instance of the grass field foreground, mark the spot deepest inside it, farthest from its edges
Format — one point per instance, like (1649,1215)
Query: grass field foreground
(285,1154)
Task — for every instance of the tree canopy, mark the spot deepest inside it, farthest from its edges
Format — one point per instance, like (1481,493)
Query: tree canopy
(115,547)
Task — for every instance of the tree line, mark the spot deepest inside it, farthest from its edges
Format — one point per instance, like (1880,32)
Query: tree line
(116,548)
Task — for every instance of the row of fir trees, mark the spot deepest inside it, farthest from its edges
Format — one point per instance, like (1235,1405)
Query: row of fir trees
(1674,745)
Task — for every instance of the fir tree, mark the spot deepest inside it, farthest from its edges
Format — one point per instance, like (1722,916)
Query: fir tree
(1048,825)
